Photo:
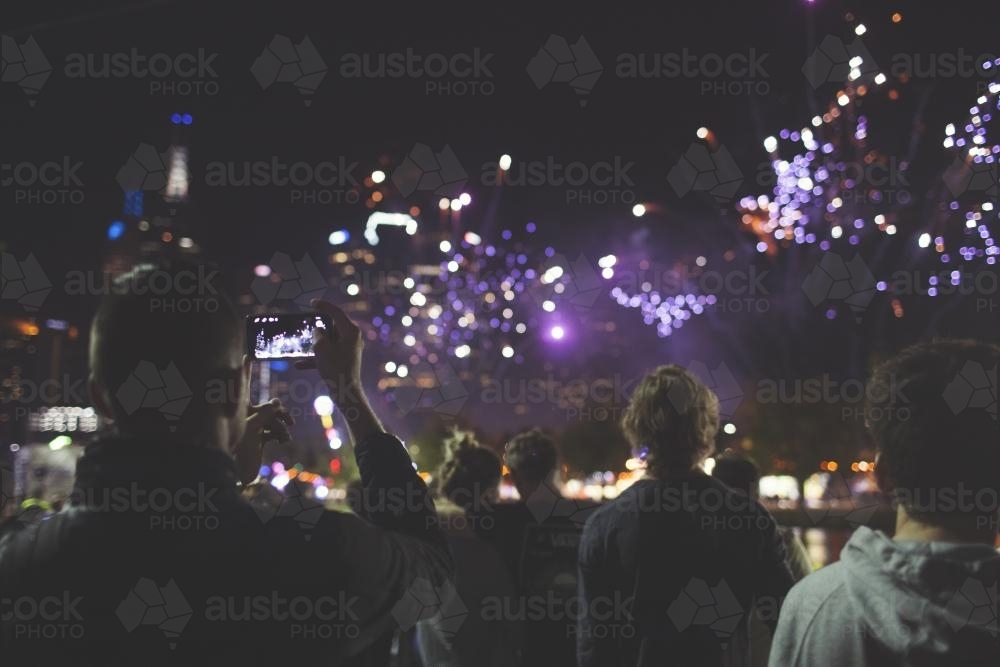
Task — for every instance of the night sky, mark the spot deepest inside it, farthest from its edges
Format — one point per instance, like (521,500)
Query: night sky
(648,122)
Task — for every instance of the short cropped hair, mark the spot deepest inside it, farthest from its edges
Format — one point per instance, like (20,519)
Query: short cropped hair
(532,455)
(671,420)
(738,472)
(162,333)
(931,411)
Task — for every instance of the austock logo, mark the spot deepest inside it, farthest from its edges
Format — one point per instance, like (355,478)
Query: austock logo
(720,381)
(702,605)
(977,175)
(599,182)
(975,387)
(557,61)
(702,170)
(885,180)
(439,606)
(546,502)
(582,398)
(833,279)
(146,387)
(182,74)
(285,62)
(290,503)
(446,393)
(720,74)
(457,74)
(324,617)
(837,62)
(960,64)
(298,282)
(149,170)
(24,65)
(885,400)
(327,182)
(45,618)
(149,604)
(575,282)
(51,182)
(423,170)
(974,604)
(24,281)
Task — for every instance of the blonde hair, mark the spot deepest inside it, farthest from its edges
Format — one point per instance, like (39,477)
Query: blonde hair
(672,419)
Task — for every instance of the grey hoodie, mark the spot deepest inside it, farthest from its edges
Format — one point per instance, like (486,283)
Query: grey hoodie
(892,603)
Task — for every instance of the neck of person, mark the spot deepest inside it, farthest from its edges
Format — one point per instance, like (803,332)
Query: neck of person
(666,474)
(961,530)
(526,488)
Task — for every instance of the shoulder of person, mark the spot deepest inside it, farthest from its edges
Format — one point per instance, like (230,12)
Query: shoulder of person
(816,590)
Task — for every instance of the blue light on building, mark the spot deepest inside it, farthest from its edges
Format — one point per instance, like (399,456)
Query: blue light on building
(116,230)
(133,203)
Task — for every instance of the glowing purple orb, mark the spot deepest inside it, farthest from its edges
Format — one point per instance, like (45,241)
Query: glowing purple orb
(557,332)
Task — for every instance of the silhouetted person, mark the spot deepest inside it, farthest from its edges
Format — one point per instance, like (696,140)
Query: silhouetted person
(160,560)
(532,459)
(927,595)
(671,568)
(539,536)
(469,480)
(741,473)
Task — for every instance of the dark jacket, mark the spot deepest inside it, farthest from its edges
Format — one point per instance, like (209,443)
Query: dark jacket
(474,634)
(162,561)
(539,542)
(669,571)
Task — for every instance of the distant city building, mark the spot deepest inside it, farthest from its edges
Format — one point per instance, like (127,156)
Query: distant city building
(157,224)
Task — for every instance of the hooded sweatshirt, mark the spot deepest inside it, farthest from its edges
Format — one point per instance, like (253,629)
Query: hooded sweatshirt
(889,603)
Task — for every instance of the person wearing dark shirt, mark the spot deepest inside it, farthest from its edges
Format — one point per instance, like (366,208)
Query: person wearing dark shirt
(741,472)
(160,559)
(531,459)
(539,536)
(670,569)
(469,479)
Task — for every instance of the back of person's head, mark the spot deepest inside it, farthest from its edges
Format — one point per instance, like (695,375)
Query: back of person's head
(470,473)
(738,472)
(166,352)
(671,420)
(932,414)
(531,457)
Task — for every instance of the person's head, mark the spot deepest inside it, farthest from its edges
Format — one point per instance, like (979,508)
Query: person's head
(470,472)
(532,458)
(738,472)
(938,450)
(167,357)
(671,420)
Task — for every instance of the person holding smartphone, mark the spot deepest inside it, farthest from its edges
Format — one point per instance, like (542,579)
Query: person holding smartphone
(160,559)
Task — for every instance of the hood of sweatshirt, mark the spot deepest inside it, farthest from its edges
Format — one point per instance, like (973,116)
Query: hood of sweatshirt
(921,598)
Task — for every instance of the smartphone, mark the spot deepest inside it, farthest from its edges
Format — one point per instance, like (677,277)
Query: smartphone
(283,335)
